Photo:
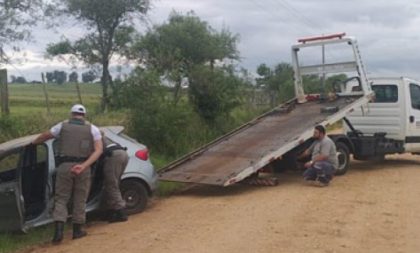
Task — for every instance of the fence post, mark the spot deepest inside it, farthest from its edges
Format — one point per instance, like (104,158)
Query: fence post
(79,95)
(4,92)
(44,88)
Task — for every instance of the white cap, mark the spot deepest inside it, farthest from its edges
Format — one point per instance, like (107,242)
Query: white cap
(78,108)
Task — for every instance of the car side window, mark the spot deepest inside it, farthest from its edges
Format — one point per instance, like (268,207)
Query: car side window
(41,153)
(9,165)
(415,96)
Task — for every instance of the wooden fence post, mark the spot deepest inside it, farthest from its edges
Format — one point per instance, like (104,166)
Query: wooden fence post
(4,92)
(44,87)
(79,95)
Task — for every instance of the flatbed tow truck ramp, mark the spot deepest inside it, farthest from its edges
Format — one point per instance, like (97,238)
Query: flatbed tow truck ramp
(247,149)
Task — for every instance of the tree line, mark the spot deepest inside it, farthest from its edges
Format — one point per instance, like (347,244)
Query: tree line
(59,77)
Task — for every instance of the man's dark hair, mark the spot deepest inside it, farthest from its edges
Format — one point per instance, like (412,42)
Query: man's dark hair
(320,128)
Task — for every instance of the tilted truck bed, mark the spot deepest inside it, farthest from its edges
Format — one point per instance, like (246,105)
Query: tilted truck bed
(239,154)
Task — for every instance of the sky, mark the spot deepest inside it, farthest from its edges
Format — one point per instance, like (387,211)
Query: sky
(388,32)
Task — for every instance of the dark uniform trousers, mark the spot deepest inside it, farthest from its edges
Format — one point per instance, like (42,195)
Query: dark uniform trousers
(114,166)
(66,184)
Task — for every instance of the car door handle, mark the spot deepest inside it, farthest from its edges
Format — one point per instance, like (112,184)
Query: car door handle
(411,119)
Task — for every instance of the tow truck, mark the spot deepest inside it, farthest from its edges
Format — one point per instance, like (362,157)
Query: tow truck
(375,126)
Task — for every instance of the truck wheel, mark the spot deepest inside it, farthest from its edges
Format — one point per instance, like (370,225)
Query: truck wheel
(343,155)
(135,195)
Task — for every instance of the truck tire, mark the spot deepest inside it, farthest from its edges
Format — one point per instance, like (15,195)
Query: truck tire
(343,155)
(135,195)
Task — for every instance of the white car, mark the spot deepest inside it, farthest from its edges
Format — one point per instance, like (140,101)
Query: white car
(27,177)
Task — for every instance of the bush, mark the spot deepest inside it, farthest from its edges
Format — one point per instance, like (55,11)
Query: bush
(213,92)
(154,120)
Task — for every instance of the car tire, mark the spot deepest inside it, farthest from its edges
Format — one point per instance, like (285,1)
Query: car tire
(343,155)
(135,195)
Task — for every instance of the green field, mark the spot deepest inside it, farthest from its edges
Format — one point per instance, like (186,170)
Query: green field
(30,98)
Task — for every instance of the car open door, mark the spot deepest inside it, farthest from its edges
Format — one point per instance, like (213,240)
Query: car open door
(11,200)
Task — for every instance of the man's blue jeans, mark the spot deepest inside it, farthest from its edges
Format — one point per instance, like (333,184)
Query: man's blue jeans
(321,170)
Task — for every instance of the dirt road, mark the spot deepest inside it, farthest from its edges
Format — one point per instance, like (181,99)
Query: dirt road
(373,208)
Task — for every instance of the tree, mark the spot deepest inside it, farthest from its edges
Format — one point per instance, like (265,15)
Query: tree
(73,77)
(12,79)
(89,76)
(20,79)
(60,77)
(50,77)
(185,41)
(213,92)
(277,82)
(15,19)
(265,72)
(112,29)
(56,76)
(333,82)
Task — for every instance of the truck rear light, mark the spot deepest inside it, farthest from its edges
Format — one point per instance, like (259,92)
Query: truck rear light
(143,154)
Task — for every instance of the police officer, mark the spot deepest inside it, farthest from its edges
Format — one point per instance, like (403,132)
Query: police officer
(79,146)
(115,159)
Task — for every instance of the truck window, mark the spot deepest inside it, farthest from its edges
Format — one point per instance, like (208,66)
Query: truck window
(415,96)
(385,93)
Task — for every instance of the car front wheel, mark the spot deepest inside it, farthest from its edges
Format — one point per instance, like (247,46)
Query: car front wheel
(135,195)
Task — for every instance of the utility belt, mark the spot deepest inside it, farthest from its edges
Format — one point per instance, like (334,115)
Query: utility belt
(70,159)
(112,147)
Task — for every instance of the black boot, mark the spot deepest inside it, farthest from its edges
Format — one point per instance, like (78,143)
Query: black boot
(118,216)
(105,215)
(78,232)
(58,233)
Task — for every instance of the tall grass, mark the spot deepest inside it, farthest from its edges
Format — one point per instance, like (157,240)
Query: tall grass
(17,242)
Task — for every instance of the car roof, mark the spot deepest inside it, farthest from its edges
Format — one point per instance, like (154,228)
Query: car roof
(23,141)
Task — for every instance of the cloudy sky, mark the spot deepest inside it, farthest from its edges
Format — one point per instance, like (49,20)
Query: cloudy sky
(388,32)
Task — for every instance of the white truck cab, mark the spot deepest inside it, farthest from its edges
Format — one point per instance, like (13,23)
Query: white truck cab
(395,111)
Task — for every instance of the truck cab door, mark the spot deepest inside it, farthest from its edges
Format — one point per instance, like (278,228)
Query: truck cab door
(11,200)
(413,121)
